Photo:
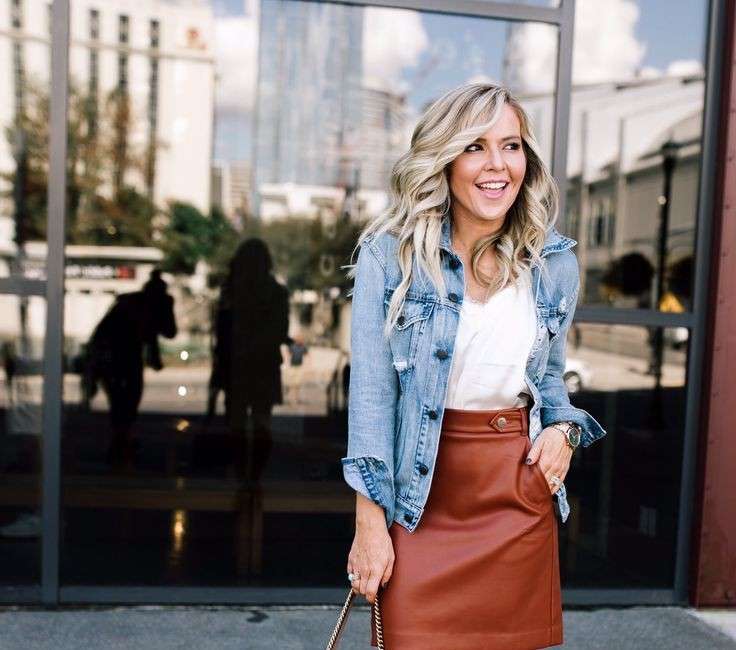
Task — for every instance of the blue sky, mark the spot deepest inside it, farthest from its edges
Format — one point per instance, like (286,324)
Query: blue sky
(686,21)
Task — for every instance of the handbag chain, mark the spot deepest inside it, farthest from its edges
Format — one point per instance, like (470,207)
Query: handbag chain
(342,617)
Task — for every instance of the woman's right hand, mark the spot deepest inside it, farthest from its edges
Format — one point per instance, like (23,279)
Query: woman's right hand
(372,552)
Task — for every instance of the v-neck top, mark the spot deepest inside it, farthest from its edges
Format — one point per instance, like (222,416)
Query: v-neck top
(492,347)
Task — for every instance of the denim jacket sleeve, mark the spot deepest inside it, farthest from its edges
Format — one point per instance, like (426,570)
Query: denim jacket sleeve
(556,405)
(373,391)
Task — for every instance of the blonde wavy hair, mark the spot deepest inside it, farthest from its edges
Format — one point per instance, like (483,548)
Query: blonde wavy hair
(420,194)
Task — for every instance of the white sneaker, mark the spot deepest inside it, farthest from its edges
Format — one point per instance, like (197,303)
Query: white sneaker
(26,525)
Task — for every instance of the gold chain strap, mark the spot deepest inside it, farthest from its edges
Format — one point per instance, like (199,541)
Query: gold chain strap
(339,626)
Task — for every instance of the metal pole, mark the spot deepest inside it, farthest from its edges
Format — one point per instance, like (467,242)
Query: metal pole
(53,345)
(562,98)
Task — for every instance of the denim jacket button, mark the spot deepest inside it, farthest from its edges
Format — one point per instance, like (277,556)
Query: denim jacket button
(454,297)
(423,469)
(454,263)
(408,517)
(400,320)
(441,354)
(432,415)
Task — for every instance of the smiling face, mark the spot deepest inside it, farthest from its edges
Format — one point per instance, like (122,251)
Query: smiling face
(498,155)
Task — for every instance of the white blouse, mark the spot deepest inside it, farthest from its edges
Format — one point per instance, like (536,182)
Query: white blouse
(491,350)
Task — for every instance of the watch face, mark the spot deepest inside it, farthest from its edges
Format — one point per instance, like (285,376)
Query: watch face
(574,435)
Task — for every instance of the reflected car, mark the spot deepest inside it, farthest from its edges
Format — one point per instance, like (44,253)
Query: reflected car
(577,375)
(676,337)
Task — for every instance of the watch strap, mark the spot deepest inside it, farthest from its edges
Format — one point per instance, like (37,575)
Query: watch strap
(566,431)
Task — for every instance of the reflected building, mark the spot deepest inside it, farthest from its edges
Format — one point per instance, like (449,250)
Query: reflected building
(220,188)
(159,53)
(239,172)
(384,131)
(309,102)
(310,66)
(615,177)
(231,189)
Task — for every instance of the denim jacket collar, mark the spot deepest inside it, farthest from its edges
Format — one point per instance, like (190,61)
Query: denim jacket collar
(554,242)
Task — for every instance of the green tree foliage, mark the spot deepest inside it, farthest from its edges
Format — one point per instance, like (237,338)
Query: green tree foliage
(308,251)
(191,236)
(225,239)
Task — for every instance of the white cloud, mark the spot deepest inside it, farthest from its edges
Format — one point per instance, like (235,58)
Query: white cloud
(530,54)
(649,72)
(481,79)
(685,67)
(393,40)
(606,47)
(236,62)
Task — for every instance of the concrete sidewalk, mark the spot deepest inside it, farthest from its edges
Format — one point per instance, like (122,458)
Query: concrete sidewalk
(308,627)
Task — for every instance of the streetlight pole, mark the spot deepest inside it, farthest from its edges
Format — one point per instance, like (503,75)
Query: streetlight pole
(669,160)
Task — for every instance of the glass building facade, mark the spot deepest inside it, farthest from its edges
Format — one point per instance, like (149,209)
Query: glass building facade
(130,471)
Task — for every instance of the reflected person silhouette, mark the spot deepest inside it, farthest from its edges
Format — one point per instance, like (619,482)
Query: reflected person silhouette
(124,340)
(252,321)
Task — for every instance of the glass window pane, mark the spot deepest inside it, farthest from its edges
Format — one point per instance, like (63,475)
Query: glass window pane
(624,490)
(212,133)
(541,3)
(22,329)
(634,148)
(24,119)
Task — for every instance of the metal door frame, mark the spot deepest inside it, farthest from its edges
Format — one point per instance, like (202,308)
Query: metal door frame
(51,594)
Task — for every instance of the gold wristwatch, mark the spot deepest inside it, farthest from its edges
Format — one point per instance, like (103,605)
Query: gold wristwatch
(572,433)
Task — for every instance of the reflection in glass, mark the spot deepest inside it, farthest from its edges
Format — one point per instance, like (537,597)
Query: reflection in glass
(24,119)
(634,146)
(624,492)
(251,323)
(21,386)
(233,168)
(122,343)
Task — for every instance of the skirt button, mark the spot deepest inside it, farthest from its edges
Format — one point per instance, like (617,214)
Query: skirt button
(501,422)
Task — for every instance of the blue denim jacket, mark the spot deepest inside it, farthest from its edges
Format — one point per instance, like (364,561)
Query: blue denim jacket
(398,385)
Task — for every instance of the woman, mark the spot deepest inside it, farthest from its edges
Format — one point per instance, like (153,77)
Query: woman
(251,324)
(464,293)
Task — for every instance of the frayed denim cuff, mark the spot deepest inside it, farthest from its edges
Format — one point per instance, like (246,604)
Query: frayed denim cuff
(590,428)
(370,476)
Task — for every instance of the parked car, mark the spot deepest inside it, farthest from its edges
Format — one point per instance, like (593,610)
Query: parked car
(577,375)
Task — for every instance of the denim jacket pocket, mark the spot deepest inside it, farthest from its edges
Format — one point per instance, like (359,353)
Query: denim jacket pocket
(553,325)
(554,314)
(405,335)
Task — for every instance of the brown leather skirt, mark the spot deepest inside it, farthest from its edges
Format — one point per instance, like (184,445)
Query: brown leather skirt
(481,570)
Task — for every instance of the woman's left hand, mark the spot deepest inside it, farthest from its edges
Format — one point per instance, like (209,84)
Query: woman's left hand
(553,454)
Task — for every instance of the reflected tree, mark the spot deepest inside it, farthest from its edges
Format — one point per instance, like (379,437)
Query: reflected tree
(103,204)
(189,236)
(309,251)
(631,276)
